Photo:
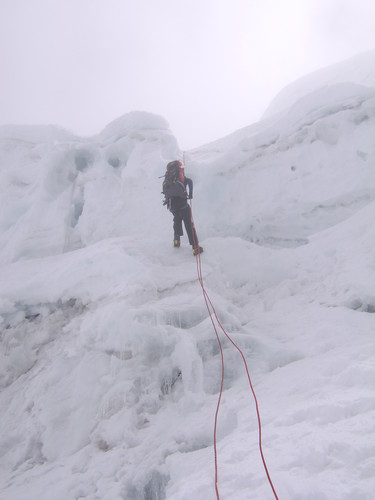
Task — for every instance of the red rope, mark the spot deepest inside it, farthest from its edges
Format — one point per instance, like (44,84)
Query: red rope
(212,313)
(208,304)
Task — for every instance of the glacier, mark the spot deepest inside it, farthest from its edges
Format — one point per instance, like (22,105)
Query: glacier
(110,369)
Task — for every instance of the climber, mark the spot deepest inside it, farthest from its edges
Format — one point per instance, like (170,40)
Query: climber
(177,189)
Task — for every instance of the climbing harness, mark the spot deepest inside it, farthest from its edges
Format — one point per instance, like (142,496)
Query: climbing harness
(213,317)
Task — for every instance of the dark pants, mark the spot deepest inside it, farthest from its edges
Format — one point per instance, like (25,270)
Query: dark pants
(184,214)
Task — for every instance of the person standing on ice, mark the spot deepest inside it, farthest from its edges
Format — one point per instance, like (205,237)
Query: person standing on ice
(177,189)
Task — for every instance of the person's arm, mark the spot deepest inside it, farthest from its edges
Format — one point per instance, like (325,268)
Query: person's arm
(189,184)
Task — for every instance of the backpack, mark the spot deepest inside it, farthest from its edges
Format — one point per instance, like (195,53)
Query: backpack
(173,184)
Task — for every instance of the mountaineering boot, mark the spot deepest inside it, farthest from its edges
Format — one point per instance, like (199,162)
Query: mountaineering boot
(176,241)
(197,250)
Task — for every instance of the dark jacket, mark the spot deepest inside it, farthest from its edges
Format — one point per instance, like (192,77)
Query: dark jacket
(179,195)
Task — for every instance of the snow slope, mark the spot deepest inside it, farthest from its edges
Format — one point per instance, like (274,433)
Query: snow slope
(359,69)
(110,369)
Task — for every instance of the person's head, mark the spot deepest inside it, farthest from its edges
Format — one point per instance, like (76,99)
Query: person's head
(175,164)
(175,169)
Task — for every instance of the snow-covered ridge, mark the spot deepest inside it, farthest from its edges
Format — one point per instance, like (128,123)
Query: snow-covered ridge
(34,134)
(109,368)
(293,161)
(125,125)
(51,181)
(359,69)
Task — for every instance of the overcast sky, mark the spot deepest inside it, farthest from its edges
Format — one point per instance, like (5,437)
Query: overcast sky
(209,67)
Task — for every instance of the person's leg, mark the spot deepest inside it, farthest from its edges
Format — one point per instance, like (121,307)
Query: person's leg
(189,226)
(177,229)
(177,224)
